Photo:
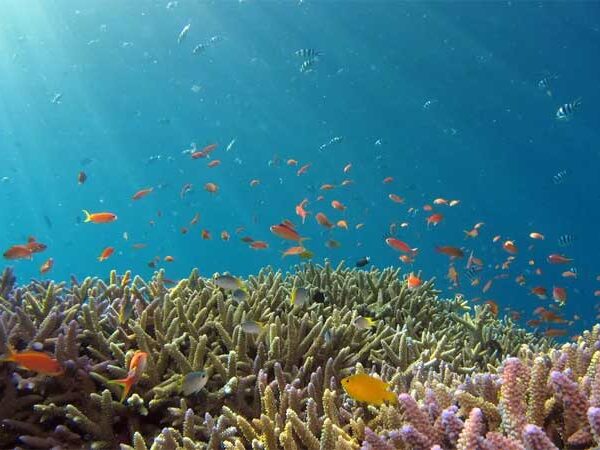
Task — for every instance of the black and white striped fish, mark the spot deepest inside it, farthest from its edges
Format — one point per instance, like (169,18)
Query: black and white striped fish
(559,178)
(308,53)
(472,272)
(545,84)
(566,111)
(308,65)
(565,240)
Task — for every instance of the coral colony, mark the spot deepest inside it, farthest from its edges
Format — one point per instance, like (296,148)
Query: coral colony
(222,363)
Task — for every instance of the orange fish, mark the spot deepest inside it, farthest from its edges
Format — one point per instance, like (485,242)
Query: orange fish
(39,362)
(106,254)
(136,369)
(338,205)
(440,201)
(292,162)
(199,154)
(427,208)
(569,274)
(493,306)
(323,220)
(169,258)
(540,292)
(413,281)
(47,265)
(81,177)
(327,187)
(302,170)
(448,250)
(537,236)
(214,163)
(259,245)
(247,239)
(285,231)
(225,235)
(300,211)
(209,149)
(555,332)
(342,224)
(141,193)
(388,180)
(292,251)
(211,187)
(510,247)
(399,245)
(195,219)
(558,259)
(396,198)
(205,234)
(18,252)
(406,259)
(101,217)
(453,276)
(471,233)
(434,219)
(487,286)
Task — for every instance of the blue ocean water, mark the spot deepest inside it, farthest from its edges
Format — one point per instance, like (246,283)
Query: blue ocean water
(441,96)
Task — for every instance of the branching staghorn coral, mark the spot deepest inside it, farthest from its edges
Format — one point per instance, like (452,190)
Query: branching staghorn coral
(277,389)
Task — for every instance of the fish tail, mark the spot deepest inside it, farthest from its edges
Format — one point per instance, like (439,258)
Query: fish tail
(10,355)
(126,384)
(302,239)
(88,216)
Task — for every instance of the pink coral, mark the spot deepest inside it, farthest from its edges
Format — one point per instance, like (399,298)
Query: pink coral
(574,402)
(472,433)
(515,377)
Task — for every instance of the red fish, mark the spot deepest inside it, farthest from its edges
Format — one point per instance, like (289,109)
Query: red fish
(558,259)
(211,187)
(323,220)
(540,292)
(448,250)
(106,254)
(510,247)
(302,170)
(285,231)
(397,244)
(559,294)
(434,219)
(18,252)
(259,245)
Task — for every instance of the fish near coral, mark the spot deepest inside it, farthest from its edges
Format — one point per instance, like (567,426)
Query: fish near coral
(136,369)
(368,389)
(39,362)
(193,382)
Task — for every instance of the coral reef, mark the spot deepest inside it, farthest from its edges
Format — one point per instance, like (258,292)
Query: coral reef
(464,379)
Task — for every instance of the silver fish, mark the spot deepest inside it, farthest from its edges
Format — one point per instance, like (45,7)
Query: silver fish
(229,282)
(252,327)
(194,382)
(566,111)
(183,33)
(300,296)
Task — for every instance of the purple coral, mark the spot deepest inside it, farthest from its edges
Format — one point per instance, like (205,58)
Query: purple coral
(593,415)
(534,438)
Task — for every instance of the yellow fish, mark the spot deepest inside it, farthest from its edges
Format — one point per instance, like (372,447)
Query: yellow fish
(365,388)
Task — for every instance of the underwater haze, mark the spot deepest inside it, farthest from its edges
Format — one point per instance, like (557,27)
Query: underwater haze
(491,107)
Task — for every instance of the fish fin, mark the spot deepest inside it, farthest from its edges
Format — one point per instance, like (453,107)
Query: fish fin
(87,215)
(125,383)
(391,397)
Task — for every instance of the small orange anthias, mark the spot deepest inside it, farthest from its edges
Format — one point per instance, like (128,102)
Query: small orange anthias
(39,362)
(136,369)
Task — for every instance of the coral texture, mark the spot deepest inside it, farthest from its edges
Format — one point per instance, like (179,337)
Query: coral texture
(280,389)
